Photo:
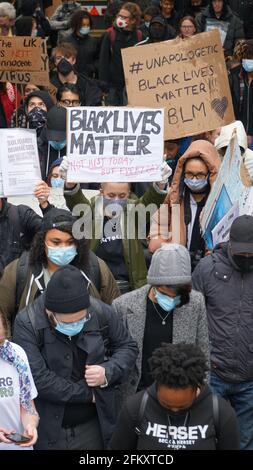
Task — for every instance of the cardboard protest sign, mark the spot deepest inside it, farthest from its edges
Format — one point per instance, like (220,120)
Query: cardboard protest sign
(228,198)
(188,78)
(114,144)
(23,60)
(19,161)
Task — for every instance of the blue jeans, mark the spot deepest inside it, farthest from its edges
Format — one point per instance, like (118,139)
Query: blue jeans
(240,396)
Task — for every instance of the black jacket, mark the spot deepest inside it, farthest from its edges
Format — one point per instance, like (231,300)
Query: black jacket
(229,304)
(18,225)
(192,430)
(235,28)
(91,89)
(244,8)
(110,60)
(51,364)
(87,53)
(242,108)
(47,154)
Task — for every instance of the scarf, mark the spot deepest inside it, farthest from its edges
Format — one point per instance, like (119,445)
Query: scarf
(8,354)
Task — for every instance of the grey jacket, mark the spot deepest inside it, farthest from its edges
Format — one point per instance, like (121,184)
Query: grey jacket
(229,304)
(189,325)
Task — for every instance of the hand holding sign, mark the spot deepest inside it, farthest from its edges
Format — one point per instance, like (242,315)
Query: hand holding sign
(166,172)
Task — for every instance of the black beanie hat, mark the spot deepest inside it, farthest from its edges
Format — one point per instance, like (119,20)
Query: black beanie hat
(67,291)
(56,218)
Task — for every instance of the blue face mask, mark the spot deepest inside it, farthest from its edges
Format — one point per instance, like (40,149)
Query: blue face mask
(61,256)
(72,329)
(147,23)
(247,65)
(120,202)
(196,186)
(57,145)
(57,183)
(84,30)
(166,302)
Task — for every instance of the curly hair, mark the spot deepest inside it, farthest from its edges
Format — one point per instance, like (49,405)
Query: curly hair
(178,365)
(77,19)
(244,49)
(38,253)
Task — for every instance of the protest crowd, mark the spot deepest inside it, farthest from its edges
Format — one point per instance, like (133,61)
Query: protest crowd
(126,225)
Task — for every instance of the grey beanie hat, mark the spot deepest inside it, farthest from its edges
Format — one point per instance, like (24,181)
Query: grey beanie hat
(170,266)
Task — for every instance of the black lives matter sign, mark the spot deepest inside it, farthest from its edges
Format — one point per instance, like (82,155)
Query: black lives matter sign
(188,78)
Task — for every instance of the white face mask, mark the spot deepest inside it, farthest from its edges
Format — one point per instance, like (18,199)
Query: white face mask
(121,22)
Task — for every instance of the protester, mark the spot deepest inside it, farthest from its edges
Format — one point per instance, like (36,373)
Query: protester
(169,13)
(68,96)
(194,176)
(61,17)
(78,385)
(32,114)
(53,246)
(18,225)
(115,237)
(17,410)
(225,279)
(219,15)
(158,31)
(241,85)
(148,14)
(187,27)
(87,46)
(7,19)
(166,309)
(33,9)
(64,58)
(179,411)
(124,33)
(52,139)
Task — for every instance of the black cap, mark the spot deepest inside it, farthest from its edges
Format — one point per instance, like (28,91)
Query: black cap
(57,218)
(67,291)
(241,235)
(56,123)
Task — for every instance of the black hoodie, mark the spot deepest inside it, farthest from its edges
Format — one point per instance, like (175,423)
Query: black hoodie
(191,430)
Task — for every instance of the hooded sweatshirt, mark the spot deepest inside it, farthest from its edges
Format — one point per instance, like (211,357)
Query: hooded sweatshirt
(162,221)
(190,429)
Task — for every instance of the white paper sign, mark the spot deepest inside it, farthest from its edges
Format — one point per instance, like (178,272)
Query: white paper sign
(114,144)
(20,161)
(220,233)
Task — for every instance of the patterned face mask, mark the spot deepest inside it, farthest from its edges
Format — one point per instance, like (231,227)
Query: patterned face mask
(37,118)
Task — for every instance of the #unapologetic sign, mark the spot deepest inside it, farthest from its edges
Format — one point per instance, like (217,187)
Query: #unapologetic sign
(114,144)
(188,78)
(23,60)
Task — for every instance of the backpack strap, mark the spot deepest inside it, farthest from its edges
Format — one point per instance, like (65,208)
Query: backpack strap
(216,415)
(37,333)
(94,270)
(141,412)
(21,277)
(99,309)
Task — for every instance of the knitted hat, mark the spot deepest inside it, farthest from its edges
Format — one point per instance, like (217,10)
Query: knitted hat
(170,265)
(67,291)
(226,134)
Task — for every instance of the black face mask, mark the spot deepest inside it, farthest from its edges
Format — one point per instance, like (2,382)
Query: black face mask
(37,118)
(157,33)
(64,67)
(244,263)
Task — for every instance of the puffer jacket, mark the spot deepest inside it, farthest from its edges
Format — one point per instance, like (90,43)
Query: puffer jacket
(163,220)
(229,303)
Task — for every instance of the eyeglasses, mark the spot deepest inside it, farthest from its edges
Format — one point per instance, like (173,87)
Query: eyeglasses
(70,102)
(122,17)
(199,176)
(187,27)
